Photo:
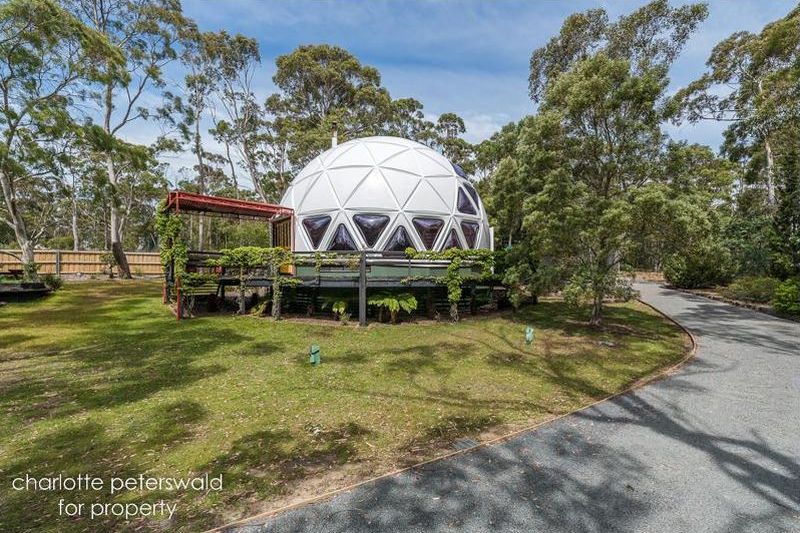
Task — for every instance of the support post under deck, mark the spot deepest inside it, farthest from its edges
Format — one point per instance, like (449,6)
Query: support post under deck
(362,290)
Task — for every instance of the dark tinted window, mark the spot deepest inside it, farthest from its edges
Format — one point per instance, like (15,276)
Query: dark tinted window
(459,170)
(472,192)
(428,229)
(342,240)
(371,226)
(470,230)
(452,240)
(399,241)
(464,205)
(315,227)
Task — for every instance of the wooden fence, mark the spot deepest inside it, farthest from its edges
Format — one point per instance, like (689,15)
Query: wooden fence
(87,262)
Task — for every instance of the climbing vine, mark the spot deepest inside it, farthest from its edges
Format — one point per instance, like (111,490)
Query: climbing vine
(453,279)
(321,259)
(244,260)
(171,247)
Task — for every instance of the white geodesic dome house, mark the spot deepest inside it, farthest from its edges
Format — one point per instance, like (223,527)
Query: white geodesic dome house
(385,194)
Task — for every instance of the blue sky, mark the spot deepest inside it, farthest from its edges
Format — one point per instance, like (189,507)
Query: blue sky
(465,56)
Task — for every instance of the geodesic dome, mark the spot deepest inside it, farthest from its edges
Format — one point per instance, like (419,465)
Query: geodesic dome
(385,194)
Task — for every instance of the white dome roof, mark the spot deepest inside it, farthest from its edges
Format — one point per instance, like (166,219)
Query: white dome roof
(380,193)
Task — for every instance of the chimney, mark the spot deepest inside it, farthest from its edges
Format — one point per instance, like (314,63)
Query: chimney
(335,138)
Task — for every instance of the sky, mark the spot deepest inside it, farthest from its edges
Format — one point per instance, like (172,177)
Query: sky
(464,56)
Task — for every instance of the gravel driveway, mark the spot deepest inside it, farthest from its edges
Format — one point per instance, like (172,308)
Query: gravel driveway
(714,448)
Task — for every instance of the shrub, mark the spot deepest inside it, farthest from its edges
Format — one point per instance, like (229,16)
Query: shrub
(60,243)
(394,303)
(30,271)
(752,289)
(338,306)
(52,282)
(787,297)
(704,265)
(109,261)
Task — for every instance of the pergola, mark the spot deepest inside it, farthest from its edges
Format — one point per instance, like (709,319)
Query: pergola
(279,216)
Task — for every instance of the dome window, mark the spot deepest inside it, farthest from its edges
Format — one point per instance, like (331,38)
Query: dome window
(399,241)
(428,229)
(464,205)
(472,192)
(470,230)
(459,170)
(371,226)
(342,240)
(452,240)
(315,227)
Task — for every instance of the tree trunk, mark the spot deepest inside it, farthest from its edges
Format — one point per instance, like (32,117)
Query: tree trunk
(252,169)
(770,173)
(233,170)
(454,312)
(75,236)
(597,311)
(17,222)
(276,299)
(114,226)
(242,303)
(114,219)
(201,180)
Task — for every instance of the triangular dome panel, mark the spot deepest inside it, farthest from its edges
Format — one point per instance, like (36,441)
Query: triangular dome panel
(428,229)
(345,180)
(464,205)
(371,226)
(342,240)
(430,165)
(402,184)
(470,231)
(399,241)
(315,228)
(446,188)
(319,195)
(452,240)
(426,200)
(382,151)
(405,161)
(372,193)
(357,156)
(312,168)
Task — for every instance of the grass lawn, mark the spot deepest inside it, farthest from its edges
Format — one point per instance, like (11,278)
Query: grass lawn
(100,379)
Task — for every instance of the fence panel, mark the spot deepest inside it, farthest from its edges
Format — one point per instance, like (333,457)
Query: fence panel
(87,262)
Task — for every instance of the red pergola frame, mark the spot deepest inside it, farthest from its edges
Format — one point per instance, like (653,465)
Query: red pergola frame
(181,201)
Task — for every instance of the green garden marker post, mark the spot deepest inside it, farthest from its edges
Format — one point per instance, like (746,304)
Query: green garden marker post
(529,335)
(313,355)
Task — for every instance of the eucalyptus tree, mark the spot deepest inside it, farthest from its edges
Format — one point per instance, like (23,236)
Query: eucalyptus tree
(786,222)
(45,55)
(188,109)
(597,139)
(234,59)
(651,36)
(752,82)
(322,87)
(147,32)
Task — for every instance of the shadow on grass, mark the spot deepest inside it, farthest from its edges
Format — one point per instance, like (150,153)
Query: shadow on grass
(565,477)
(83,447)
(121,355)
(266,463)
